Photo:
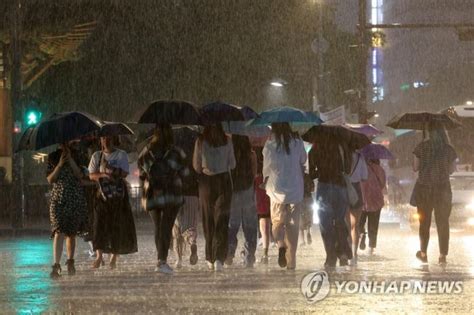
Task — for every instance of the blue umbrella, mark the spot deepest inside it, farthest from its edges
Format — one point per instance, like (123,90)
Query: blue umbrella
(286,114)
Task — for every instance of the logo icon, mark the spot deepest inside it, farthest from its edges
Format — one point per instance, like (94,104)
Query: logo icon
(315,286)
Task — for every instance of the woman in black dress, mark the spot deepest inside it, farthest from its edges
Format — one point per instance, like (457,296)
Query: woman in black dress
(68,214)
(113,227)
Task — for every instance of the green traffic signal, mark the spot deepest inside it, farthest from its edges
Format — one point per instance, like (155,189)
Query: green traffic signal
(32,117)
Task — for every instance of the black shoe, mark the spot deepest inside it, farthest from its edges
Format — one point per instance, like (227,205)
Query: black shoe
(193,259)
(56,272)
(421,258)
(343,261)
(282,257)
(309,239)
(362,242)
(442,260)
(71,270)
(330,263)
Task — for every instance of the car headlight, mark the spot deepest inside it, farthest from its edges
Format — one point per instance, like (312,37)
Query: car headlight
(469,206)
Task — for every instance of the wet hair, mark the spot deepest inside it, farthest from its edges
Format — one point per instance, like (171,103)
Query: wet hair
(214,135)
(162,136)
(283,135)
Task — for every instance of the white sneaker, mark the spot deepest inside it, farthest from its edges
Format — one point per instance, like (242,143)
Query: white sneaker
(218,266)
(178,264)
(164,268)
(210,265)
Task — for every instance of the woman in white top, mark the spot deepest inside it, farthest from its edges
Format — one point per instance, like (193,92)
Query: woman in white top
(284,158)
(213,160)
(113,228)
(358,175)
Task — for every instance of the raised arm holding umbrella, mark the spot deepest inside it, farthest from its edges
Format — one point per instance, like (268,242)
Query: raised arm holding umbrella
(68,212)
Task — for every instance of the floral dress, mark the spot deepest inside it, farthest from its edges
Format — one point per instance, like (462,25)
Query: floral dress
(68,209)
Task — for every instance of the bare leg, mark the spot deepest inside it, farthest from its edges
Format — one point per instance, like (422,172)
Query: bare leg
(58,242)
(70,246)
(354,218)
(265,231)
(302,237)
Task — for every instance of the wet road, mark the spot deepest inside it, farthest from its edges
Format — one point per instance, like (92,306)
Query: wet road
(134,287)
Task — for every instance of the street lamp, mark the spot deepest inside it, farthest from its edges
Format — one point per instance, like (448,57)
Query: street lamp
(469,103)
(276,84)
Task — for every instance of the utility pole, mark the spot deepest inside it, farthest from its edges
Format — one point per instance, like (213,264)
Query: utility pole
(363,52)
(17,111)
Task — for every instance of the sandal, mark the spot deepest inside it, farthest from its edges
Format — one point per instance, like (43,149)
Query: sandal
(97,263)
(71,270)
(56,272)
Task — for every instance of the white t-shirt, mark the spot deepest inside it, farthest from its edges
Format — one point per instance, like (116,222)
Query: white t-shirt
(284,171)
(359,168)
(117,159)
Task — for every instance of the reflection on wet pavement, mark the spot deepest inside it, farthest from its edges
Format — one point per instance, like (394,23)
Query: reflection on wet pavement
(134,287)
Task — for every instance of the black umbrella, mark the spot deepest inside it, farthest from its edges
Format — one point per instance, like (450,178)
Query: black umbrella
(114,129)
(423,120)
(219,112)
(170,112)
(340,134)
(59,128)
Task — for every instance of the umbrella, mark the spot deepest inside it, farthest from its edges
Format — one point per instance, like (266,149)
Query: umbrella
(419,121)
(59,128)
(173,112)
(114,129)
(286,114)
(219,112)
(367,129)
(376,151)
(354,140)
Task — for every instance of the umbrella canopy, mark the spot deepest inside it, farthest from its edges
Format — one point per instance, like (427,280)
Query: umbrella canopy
(422,120)
(340,134)
(376,151)
(286,114)
(60,128)
(367,129)
(219,112)
(241,128)
(114,129)
(173,112)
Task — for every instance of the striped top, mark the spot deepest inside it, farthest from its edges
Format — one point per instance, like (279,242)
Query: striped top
(435,163)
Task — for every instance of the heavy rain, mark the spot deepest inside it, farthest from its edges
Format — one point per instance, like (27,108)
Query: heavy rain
(236,156)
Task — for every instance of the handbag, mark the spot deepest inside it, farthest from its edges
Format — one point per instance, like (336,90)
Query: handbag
(108,189)
(352,195)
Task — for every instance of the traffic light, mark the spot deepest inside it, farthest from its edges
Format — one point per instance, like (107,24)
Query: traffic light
(32,117)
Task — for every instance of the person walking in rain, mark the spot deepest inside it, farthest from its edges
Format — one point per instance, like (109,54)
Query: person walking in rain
(328,161)
(113,228)
(372,190)
(68,209)
(358,175)
(263,207)
(307,211)
(213,160)
(434,161)
(162,170)
(243,211)
(284,159)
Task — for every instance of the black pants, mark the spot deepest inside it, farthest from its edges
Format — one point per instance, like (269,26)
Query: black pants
(437,198)
(372,226)
(163,219)
(215,194)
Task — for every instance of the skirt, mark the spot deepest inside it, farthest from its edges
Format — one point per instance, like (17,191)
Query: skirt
(114,227)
